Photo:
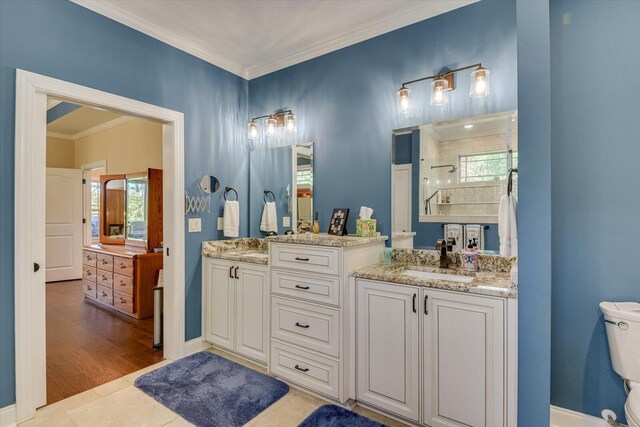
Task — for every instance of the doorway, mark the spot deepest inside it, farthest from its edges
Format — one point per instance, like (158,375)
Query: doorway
(99,316)
(32,91)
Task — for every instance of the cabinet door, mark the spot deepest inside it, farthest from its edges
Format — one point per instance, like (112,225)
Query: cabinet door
(219,307)
(252,308)
(463,351)
(388,347)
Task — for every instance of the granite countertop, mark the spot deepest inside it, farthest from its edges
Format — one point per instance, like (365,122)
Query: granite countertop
(485,282)
(244,250)
(402,234)
(323,239)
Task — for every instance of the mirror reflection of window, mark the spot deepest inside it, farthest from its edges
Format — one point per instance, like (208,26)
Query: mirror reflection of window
(304,185)
(137,208)
(114,223)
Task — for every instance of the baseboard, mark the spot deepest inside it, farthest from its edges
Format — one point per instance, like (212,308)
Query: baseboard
(561,417)
(8,416)
(195,345)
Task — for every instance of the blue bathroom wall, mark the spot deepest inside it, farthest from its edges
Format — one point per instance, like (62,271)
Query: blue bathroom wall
(345,101)
(269,169)
(63,40)
(595,178)
(402,149)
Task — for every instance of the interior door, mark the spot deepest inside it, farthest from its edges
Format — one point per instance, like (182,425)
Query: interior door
(63,247)
(401,193)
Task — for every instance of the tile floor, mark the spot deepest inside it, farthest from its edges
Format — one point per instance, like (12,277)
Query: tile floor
(119,403)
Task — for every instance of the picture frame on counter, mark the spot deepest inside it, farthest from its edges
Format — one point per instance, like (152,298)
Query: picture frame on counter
(338,223)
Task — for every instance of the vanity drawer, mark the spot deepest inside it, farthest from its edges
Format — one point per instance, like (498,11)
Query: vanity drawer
(89,289)
(89,273)
(307,325)
(123,266)
(311,288)
(123,284)
(105,262)
(89,258)
(123,301)
(305,258)
(105,295)
(104,278)
(318,373)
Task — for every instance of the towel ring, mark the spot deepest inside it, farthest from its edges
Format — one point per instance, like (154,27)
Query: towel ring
(227,189)
(266,193)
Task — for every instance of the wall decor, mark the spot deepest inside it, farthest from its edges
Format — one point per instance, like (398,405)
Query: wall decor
(338,224)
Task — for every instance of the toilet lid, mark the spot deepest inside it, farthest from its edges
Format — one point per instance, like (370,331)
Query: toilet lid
(633,405)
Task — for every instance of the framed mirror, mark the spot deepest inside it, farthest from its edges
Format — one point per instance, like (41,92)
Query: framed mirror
(209,184)
(281,179)
(136,207)
(448,179)
(112,215)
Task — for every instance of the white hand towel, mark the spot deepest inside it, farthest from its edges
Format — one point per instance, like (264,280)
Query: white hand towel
(508,225)
(269,220)
(231,219)
(474,231)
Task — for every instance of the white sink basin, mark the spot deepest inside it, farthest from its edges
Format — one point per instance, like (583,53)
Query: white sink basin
(437,276)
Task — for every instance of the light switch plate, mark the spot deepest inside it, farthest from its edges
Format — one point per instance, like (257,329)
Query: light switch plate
(195,225)
(286,221)
(220,223)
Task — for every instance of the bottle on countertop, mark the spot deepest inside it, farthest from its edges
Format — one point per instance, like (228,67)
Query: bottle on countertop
(470,257)
(316,224)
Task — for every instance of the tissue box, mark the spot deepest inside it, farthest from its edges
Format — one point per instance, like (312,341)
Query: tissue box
(366,227)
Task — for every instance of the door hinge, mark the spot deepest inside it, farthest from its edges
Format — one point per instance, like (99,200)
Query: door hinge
(167,251)
(84,181)
(84,220)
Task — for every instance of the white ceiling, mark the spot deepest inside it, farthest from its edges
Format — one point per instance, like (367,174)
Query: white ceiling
(251,38)
(490,124)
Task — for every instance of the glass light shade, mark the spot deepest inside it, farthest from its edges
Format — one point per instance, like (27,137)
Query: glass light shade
(404,99)
(290,122)
(479,83)
(271,126)
(253,130)
(439,92)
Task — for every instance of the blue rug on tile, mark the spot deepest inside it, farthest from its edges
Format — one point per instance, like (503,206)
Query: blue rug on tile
(335,416)
(209,390)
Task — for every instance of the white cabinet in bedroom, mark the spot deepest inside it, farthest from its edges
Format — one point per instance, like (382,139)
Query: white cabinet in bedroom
(236,307)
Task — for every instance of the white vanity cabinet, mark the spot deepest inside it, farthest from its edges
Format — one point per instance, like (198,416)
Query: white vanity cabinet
(236,306)
(441,358)
(388,363)
(463,354)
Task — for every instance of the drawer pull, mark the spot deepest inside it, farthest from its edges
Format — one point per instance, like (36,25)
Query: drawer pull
(122,283)
(302,259)
(88,257)
(104,294)
(104,277)
(301,326)
(302,287)
(89,288)
(302,369)
(88,273)
(122,300)
(122,266)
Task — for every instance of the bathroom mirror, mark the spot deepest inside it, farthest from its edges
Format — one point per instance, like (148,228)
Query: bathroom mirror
(137,207)
(449,177)
(283,176)
(209,184)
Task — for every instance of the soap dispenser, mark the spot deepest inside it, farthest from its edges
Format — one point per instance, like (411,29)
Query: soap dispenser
(316,224)
(470,259)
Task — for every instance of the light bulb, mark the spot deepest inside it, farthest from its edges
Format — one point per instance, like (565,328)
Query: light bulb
(271,126)
(404,99)
(439,92)
(479,82)
(290,122)
(253,130)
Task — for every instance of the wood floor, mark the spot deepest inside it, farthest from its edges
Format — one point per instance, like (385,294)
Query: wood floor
(88,345)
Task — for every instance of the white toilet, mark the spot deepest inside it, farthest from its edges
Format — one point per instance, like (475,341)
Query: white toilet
(623,333)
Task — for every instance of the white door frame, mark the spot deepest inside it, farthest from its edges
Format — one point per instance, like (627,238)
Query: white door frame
(394,168)
(30,161)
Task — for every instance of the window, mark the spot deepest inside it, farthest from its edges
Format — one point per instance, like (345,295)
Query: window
(487,166)
(304,178)
(95,209)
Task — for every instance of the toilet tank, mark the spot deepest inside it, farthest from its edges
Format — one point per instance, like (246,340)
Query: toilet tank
(622,320)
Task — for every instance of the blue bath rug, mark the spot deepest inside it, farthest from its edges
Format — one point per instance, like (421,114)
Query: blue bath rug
(335,416)
(208,390)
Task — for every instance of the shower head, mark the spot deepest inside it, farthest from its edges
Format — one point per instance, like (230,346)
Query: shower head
(452,170)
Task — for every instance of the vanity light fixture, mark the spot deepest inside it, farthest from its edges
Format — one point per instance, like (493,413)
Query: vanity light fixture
(444,83)
(284,119)
(468,126)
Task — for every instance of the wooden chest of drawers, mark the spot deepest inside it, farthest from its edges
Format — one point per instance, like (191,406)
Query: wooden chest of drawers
(121,278)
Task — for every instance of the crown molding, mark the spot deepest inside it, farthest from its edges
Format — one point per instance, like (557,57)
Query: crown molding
(375,29)
(424,11)
(91,131)
(117,14)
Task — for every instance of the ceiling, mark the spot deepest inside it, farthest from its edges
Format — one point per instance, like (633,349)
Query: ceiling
(251,38)
(81,120)
(490,124)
